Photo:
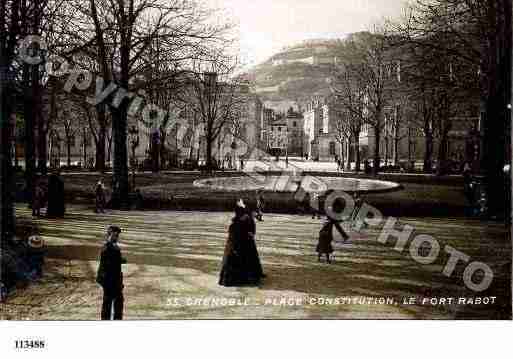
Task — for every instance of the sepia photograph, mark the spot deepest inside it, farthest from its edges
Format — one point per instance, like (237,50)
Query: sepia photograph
(218,160)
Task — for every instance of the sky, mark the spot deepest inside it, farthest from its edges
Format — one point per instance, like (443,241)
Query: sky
(266,26)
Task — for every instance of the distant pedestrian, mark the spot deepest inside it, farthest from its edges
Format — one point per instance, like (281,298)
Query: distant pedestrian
(259,206)
(467,181)
(324,246)
(314,205)
(366,166)
(100,199)
(56,206)
(241,164)
(38,199)
(110,276)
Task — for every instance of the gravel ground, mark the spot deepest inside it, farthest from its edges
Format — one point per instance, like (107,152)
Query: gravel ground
(174,259)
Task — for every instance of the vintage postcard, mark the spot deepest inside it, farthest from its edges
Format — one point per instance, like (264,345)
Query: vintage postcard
(222,159)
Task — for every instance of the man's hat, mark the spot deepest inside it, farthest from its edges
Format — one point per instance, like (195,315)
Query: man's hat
(36,242)
(114,229)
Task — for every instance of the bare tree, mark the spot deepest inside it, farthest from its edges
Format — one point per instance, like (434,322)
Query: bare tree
(479,34)
(219,99)
(120,36)
(349,88)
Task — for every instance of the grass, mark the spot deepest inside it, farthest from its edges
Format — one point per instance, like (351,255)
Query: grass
(421,195)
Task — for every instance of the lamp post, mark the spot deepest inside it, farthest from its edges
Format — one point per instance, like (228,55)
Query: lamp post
(133,137)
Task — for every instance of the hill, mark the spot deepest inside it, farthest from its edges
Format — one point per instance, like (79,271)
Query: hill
(297,72)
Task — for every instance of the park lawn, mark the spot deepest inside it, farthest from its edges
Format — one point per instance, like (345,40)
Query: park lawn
(175,191)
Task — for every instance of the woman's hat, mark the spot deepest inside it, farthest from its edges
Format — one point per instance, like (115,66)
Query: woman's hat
(240,203)
(36,242)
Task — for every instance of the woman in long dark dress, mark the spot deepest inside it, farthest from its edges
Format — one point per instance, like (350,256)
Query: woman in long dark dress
(240,266)
(253,265)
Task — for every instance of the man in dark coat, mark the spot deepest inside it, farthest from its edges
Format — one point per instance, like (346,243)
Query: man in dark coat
(56,207)
(100,199)
(37,200)
(110,276)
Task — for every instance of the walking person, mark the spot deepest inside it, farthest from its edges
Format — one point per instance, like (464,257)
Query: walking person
(100,199)
(110,276)
(324,246)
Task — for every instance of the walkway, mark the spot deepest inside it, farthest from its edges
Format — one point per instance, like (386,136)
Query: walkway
(174,259)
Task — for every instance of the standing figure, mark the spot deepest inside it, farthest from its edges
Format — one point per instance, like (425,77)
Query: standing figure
(324,245)
(56,207)
(366,166)
(259,206)
(38,199)
(314,205)
(100,199)
(110,276)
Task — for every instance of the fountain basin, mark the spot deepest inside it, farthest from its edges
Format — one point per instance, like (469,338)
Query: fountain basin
(291,183)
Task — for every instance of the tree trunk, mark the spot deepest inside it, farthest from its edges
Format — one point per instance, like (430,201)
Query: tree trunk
(441,168)
(376,160)
(155,151)
(7,176)
(396,147)
(42,150)
(341,154)
(496,127)
(84,149)
(428,154)
(109,149)
(120,167)
(348,150)
(358,157)
(209,143)
(164,160)
(29,113)
(69,151)
(100,142)
(387,145)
